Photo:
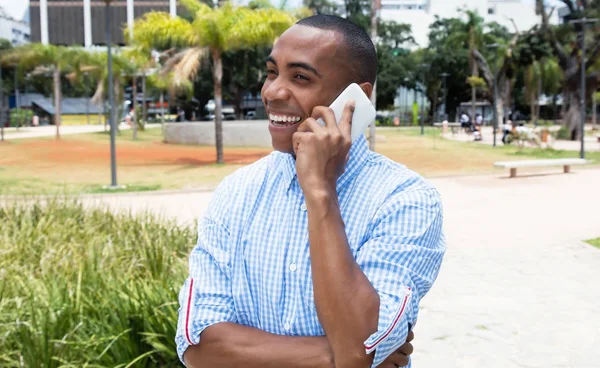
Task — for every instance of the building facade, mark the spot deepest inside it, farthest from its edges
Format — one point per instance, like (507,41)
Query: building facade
(83,22)
(16,31)
(420,14)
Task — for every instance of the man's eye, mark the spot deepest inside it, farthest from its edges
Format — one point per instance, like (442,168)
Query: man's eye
(271,71)
(301,77)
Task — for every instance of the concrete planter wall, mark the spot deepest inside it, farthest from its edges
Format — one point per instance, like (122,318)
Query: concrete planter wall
(251,133)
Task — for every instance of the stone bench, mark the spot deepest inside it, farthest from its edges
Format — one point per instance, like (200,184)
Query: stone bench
(566,163)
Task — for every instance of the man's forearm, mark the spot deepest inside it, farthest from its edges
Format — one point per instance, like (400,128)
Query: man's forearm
(226,345)
(347,304)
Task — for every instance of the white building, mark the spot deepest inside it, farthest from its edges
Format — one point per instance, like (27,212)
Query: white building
(420,14)
(16,31)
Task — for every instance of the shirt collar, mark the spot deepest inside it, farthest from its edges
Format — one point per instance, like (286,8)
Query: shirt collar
(358,155)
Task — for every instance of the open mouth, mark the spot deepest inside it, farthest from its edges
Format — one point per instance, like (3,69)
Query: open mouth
(284,120)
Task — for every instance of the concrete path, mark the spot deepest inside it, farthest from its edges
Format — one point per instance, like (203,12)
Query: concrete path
(591,143)
(50,130)
(518,288)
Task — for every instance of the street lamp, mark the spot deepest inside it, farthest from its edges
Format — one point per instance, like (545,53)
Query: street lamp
(444,75)
(111,101)
(423,67)
(495,46)
(583,21)
(406,111)
(1,106)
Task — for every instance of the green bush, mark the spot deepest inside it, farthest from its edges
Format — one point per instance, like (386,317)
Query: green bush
(86,287)
(563,133)
(20,117)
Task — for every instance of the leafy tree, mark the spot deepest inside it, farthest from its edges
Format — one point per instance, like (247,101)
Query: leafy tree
(47,59)
(566,45)
(211,33)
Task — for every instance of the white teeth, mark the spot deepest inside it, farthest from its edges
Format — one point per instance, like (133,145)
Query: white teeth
(284,119)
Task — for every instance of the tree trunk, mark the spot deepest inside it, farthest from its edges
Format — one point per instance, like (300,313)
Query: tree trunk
(134,115)
(572,119)
(375,8)
(434,105)
(57,99)
(594,110)
(162,107)
(474,73)
(144,105)
(499,110)
(532,105)
(218,79)
(537,100)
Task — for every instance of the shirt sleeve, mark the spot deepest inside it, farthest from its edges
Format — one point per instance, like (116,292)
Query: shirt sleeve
(206,297)
(401,259)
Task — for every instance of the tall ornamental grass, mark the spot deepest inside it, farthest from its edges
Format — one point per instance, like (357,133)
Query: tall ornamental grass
(84,287)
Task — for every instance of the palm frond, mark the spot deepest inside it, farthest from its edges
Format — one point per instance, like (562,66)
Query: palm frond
(194,6)
(158,30)
(190,64)
(98,97)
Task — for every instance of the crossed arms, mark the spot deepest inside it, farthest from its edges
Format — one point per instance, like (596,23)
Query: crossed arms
(365,302)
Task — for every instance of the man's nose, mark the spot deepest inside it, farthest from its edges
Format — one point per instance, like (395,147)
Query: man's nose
(277,90)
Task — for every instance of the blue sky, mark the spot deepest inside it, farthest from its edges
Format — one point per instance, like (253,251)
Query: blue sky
(17,8)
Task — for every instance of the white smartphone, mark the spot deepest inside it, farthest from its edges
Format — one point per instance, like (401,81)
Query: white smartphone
(364,112)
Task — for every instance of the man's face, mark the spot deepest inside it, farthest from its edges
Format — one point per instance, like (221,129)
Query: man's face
(307,68)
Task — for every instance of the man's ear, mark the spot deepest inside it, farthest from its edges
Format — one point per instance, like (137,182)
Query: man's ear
(367,89)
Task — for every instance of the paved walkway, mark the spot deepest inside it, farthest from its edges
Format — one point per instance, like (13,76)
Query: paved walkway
(518,288)
(590,143)
(50,130)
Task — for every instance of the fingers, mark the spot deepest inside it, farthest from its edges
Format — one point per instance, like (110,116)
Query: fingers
(297,140)
(345,124)
(406,349)
(411,336)
(311,125)
(399,360)
(326,114)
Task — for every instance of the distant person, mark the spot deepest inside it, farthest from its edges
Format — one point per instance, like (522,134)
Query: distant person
(507,132)
(318,254)
(465,122)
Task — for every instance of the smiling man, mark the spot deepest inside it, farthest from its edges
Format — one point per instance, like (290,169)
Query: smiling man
(318,254)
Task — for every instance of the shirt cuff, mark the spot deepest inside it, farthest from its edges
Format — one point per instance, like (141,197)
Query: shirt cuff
(392,327)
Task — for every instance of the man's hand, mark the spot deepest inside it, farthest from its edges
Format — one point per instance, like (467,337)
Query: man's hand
(399,358)
(321,151)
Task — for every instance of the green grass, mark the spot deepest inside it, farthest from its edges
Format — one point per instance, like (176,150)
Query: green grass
(123,189)
(150,164)
(509,150)
(86,287)
(594,242)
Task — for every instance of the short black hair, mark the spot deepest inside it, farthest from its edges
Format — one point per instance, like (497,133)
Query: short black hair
(360,48)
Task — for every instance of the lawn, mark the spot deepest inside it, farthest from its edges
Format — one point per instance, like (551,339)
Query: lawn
(594,242)
(81,163)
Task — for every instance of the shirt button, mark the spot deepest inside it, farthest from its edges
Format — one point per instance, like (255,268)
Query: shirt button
(287,327)
(303,207)
(293,267)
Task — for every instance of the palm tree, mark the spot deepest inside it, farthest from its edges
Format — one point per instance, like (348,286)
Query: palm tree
(141,62)
(43,59)
(210,33)
(541,77)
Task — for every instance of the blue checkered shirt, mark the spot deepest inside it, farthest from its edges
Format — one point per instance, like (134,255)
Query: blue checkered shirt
(251,265)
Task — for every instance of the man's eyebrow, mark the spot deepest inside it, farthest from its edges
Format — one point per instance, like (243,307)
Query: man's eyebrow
(304,66)
(297,64)
(270,60)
